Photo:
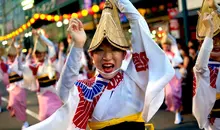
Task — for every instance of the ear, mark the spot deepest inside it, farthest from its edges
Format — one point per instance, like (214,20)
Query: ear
(91,54)
(124,54)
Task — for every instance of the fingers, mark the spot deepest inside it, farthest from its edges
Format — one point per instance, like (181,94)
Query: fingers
(75,24)
(198,12)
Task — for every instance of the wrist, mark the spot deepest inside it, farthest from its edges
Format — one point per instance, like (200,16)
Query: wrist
(210,33)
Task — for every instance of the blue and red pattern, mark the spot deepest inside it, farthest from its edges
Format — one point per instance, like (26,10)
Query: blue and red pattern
(89,93)
(214,69)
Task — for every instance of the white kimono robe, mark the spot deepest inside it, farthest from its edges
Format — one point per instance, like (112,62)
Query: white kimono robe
(140,89)
(205,86)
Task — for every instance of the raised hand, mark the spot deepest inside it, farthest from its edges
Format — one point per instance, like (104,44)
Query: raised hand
(207,20)
(77,32)
(212,4)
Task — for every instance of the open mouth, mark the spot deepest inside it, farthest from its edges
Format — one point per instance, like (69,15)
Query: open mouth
(108,67)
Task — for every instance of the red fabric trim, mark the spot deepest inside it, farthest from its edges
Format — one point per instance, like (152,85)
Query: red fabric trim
(4,67)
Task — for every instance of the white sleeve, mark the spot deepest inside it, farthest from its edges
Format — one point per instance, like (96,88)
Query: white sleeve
(201,65)
(69,73)
(51,47)
(204,95)
(150,68)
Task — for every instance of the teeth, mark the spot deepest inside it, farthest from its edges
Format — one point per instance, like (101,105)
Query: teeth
(107,65)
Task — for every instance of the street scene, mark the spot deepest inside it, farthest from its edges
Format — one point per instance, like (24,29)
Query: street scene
(109,64)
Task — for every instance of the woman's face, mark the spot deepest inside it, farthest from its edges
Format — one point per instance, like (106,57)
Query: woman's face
(40,56)
(166,47)
(107,58)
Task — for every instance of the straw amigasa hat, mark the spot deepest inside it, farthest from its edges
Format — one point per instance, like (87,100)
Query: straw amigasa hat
(201,30)
(110,28)
(39,45)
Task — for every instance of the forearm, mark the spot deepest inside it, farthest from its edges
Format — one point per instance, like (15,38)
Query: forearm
(51,47)
(69,73)
(204,54)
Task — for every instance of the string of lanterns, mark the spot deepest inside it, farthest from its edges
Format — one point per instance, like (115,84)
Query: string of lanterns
(83,13)
(54,18)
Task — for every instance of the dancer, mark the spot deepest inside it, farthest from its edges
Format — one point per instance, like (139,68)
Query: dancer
(173,90)
(206,97)
(16,89)
(44,71)
(114,99)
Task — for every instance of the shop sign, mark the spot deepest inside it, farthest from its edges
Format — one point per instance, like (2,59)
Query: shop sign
(50,6)
(192,4)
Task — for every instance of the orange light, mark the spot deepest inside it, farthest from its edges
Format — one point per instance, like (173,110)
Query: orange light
(95,8)
(161,7)
(49,17)
(56,18)
(74,15)
(28,24)
(42,16)
(66,16)
(79,14)
(24,26)
(84,12)
(142,11)
(32,20)
(20,30)
(36,16)
(101,5)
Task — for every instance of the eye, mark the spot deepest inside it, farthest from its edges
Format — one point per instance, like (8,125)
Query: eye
(116,49)
(98,50)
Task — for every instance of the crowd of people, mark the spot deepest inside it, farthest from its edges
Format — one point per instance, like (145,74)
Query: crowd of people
(116,84)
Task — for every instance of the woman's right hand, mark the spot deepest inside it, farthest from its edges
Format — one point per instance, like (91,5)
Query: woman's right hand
(207,20)
(212,4)
(77,32)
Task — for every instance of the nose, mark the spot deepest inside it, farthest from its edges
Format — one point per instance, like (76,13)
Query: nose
(107,56)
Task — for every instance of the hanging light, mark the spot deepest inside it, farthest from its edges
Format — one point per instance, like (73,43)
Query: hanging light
(56,18)
(36,16)
(24,26)
(4,42)
(154,32)
(32,20)
(20,30)
(95,8)
(84,12)
(49,17)
(101,5)
(30,34)
(42,16)
(59,24)
(65,21)
(28,24)
(26,35)
(74,15)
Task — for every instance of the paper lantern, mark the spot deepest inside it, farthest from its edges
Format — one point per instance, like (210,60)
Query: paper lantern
(95,8)
(84,12)
(74,15)
(56,18)
(42,16)
(49,17)
(36,16)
